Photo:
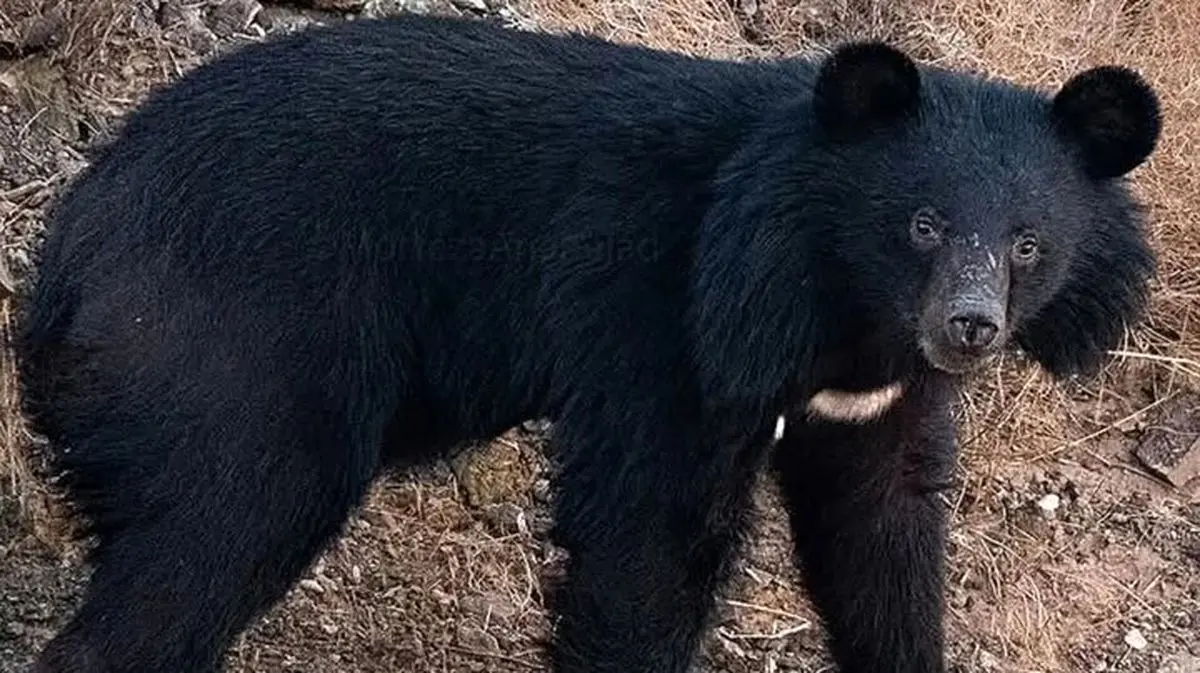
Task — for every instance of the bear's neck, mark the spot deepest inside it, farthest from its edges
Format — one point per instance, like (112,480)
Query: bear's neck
(859,353)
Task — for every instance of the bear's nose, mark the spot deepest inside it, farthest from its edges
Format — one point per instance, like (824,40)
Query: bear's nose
(972,330)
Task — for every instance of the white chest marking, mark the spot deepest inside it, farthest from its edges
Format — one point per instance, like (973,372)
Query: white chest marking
(853,407)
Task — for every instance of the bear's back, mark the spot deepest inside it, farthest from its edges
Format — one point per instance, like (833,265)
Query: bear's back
(438,184)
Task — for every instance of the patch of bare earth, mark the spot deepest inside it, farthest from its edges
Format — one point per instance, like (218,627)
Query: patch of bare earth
(1076,528)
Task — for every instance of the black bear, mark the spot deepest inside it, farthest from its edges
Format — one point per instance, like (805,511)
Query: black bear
(357,247)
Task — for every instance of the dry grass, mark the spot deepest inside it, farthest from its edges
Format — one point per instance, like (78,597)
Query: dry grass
(60,43)
(15,468)
(83,41)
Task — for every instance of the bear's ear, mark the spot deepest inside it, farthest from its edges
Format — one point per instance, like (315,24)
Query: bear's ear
(1112,115)
(865,84)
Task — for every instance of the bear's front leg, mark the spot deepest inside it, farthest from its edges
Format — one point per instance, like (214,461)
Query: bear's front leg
(651,514)
(869,527)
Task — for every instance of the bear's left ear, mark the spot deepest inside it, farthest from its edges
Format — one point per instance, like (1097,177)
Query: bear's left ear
(1112,115)
(864,84)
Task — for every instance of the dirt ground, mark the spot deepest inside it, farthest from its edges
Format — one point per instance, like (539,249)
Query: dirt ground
(1076,528)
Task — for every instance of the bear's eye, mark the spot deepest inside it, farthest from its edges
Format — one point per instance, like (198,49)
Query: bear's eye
(1025,250)
(925,228)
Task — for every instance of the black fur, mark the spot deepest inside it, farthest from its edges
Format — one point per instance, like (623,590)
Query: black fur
(863,86)
(359,246)
(863,504)
(1113,116)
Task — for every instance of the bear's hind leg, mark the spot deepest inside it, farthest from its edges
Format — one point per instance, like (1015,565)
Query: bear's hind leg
(231,514)
(869,529)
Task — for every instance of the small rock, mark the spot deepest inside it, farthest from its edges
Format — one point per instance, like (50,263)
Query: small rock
(492,474)
(988,661)
(1049,503)
(281,20)
(472,5)
(443,599)
(184,23)
(511,19)
(312,585)
(960,600)
(538,427)
(506,519)
(1171,448)
(1135,639)
(44,31)
(478,640)
(232,17)
(173,13)
(542,491)
(487,606)
(385,8)
(1180,663)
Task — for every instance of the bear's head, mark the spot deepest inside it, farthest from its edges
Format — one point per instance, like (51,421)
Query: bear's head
(976,214)
(930,215)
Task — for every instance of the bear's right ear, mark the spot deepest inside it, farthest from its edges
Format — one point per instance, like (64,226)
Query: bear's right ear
(864,84)
(1112,115)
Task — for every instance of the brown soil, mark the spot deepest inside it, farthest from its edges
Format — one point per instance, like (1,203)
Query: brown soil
(1076,529)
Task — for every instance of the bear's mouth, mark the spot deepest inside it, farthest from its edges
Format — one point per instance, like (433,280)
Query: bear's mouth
(955,361)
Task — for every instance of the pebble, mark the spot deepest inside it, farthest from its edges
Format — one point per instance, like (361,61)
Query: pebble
(486,607)
(1135,639)
(1172,450)
(232,17)
(1180,663)
(543,491)
(506,519)
(478,640)
(1049,503)
(474,5)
